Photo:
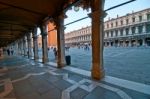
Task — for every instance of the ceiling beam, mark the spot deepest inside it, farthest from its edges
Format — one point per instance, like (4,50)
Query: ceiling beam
(16,24)
(24,9)
(13,30)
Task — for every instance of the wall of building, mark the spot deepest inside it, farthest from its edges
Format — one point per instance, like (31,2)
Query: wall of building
(129,30)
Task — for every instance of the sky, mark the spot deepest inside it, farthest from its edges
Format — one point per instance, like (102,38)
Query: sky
(123,10)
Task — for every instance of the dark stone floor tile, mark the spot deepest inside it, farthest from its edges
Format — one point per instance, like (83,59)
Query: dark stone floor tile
(78,93)
(62,84)
(101,93)
(52,94)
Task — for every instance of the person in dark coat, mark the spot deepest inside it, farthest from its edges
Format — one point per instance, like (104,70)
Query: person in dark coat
(8,51)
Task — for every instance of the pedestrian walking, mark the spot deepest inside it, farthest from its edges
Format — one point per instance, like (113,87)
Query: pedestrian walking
(12,51)
(55,52)
(8,51)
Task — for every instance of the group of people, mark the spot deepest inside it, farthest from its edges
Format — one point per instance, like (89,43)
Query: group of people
(10,51)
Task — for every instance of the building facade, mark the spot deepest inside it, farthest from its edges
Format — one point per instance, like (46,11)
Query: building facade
(133,29)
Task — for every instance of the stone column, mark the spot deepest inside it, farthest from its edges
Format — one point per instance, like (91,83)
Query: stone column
(61,41)
(24,46)
(22,49)
(16,48)
(124,32)
(44,32)
(29,45)
(137,43)
(136,30)
(124,43)
(130,42)
(109,43)
(143,42)
(119,32)
(130,31)
(97,15)
(144,28)
(35,44)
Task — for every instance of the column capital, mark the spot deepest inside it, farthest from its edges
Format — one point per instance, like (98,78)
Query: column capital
(29,36)
(44,29)
(103,14)
(62,16)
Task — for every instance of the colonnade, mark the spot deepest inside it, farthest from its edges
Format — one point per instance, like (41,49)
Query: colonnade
(97,16)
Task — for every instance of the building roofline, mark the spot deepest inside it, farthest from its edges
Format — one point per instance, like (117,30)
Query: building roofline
(128,14)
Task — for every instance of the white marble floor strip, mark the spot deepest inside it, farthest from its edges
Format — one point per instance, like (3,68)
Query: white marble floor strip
(80,84)
(27,76)
(139,87)
(52,64)
(79,71)
(143,88)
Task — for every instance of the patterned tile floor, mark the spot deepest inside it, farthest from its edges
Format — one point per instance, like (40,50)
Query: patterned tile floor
(21,78)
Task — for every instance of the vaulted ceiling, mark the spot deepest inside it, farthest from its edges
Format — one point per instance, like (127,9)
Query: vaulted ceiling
(18,17)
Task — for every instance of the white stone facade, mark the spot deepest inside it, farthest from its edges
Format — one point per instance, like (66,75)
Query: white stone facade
(133,29)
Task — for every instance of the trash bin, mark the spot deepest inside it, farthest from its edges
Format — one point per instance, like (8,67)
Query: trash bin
(68,60)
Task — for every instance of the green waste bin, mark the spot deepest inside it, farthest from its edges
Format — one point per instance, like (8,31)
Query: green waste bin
(68,60)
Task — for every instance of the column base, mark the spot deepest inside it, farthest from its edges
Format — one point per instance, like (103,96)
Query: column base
(36,58)
(97,73)
(60,65)
(45,60)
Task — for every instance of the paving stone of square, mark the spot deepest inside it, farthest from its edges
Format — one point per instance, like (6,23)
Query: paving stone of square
(23,88)
(52,94)
(74,77)
(133,94)
(101,93)
(87,83)
(60,71)
(42,86)
(78,93)
(62,84)
(32,95)
(52,78)
(13,75)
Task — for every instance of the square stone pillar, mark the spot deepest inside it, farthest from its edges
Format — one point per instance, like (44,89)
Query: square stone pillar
(136,30)
(130,30)
(60,41)
(130,42)
(143,42)
(29,45)
(124,32)
(25,46)
(44,32)
(35,44)
(97,39)
(19,47)
(144,28)
(22,49)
